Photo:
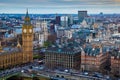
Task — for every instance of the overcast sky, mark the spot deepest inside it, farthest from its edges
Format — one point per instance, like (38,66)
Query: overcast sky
(59,6)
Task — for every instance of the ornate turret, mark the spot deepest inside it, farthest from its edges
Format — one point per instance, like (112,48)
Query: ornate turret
(18,44)
(101,47)
(1,49)
(0,45)
(82,51)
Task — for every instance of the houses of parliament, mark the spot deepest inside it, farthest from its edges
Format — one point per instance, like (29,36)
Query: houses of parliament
(19,54)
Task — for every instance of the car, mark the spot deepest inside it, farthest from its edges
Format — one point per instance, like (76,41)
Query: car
(107,77)
(97,75)
(85,73)
(66,70)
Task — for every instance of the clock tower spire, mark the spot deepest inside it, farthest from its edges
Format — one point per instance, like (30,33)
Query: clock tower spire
(27,39)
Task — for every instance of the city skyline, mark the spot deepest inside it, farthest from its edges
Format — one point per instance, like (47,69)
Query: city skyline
(59,6)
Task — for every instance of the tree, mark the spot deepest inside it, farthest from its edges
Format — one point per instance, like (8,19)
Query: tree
(47,43)
(35,78)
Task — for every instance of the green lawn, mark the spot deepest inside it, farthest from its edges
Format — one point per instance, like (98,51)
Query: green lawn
(28,78)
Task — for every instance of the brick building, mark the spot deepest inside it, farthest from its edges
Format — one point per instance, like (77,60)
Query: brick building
(94,57)
(115,62)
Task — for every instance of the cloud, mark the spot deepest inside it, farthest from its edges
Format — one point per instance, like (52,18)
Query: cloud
(62,2)
(59,5)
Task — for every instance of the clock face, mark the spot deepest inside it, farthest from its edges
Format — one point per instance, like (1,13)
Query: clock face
(24,31)
(30,30)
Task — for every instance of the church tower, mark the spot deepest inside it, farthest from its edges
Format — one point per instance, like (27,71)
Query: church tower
(27,40)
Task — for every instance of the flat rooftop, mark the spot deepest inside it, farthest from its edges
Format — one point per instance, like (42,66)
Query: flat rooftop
(62,50)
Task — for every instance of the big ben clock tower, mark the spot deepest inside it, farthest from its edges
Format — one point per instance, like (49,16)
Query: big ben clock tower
(27,40)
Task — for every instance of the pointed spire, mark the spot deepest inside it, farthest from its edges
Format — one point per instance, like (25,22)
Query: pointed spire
(27,18)
(27,13)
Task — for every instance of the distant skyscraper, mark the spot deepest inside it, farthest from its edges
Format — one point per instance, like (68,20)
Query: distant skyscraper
(81,15)
(64,21)
(90,20)
(70,20)
(57,19)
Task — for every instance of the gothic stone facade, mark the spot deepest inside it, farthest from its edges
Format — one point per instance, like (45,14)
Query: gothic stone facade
(23,54)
